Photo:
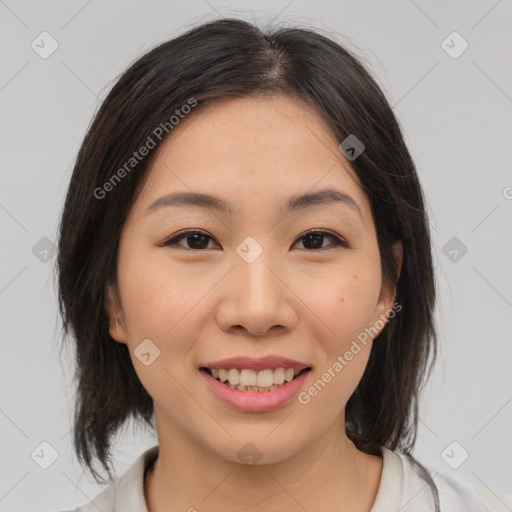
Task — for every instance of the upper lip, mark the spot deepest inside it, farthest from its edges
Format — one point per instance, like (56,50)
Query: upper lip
(262,363)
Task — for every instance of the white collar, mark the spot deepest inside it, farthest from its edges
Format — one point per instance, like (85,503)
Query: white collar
(127,494)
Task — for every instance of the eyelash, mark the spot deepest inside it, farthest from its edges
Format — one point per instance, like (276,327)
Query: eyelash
(338,242)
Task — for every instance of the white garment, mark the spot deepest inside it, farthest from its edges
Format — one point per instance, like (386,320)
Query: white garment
(401,489)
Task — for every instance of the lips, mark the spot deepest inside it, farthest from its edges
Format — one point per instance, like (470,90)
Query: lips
(250,401)
(245,382)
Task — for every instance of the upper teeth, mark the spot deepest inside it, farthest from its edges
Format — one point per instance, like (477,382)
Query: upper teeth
(260,378)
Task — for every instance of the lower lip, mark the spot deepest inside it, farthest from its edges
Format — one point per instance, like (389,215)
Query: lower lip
(255,401)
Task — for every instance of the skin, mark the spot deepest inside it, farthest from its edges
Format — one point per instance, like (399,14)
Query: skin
(205,304)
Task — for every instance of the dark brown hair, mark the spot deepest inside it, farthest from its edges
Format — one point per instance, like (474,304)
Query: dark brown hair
(223,59)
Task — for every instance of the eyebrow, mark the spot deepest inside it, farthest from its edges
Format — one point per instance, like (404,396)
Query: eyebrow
(295,203)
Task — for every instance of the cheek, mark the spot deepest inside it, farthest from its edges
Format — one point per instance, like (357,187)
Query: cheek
(346,299)
(357,298)
(157,304)
(145,294)
(347,304)
(152,300)
(162,301)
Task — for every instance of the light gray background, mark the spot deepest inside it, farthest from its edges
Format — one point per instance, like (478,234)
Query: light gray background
(455,113)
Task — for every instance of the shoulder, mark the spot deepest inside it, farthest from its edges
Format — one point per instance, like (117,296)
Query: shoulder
(127,493)
(103,502)
(455,494)
(460,492)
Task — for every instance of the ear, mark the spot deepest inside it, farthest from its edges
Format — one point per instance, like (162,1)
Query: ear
(114,313)
(388,293)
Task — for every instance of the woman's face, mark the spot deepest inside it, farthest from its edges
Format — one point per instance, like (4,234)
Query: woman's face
(251,284)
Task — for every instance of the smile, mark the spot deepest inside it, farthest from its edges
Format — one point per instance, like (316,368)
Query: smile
(246,379)
(253,398)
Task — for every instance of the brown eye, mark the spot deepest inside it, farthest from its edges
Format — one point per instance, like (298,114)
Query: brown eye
(196,240)
(314,240)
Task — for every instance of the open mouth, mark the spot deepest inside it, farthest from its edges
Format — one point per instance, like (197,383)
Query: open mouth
(254,380)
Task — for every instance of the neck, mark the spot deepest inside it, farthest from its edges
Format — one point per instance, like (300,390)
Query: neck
(330,474)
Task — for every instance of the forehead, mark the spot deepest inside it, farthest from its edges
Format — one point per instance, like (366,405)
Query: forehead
(266,147)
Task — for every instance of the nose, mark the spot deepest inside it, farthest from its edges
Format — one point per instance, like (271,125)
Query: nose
(256,299)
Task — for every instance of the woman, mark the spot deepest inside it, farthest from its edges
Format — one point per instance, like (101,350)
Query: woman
(244,253)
